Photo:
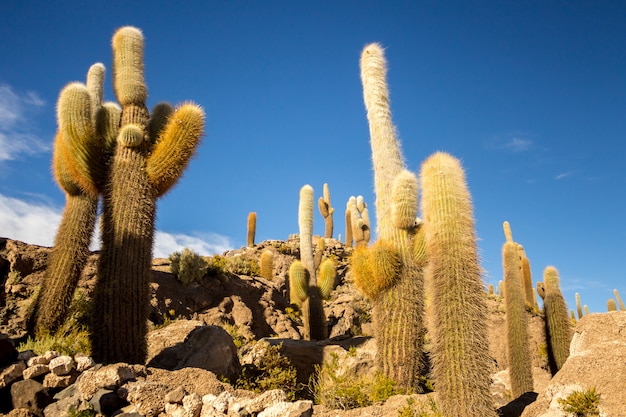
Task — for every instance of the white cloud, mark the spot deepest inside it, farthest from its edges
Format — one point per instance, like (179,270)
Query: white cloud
(16,133)
(37,222)
(517,145)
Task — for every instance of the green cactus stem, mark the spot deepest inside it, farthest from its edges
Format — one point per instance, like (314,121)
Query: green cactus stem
(611,305)
(142,169)
(398,296)
(327,212)
(251,229)
(558,324)
(461,365)
(619,300)
(298,283)
(79,165)
(267,264)
(313,316)
(518,349)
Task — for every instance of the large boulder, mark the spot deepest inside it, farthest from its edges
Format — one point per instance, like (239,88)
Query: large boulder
(597,360)
(192,344)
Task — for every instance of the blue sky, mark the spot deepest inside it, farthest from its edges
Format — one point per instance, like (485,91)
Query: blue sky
(530,95)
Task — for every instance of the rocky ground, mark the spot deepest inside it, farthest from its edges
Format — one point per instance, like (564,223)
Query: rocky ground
(228,320)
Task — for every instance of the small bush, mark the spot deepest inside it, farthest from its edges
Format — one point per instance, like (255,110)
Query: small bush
(239,265)
(271,371)
(188,266)
(582,403)
(72,337)
(346,390)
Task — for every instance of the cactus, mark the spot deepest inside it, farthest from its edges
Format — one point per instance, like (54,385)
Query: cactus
(251,229)
(526,278)
(144,166)
(312,309)
(461,364)
(79,166)
(319,253)
(611,305)
(348,225)
(327,212)
(579,308)
(267,264)
(298,283)
(518,349)
(619,300)
(490,292)
(394,282)
(359,220)
(558,324)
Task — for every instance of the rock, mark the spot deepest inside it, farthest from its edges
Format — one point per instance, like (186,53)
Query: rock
(176,396)
(12,373)
(8,353)
(106,401)
(61,365)
(191,344)
(215,406)
(259,403)
(108,377)
(83,362)
(30,395)
(191,407)
(35,371)
(303,408)
(597,359)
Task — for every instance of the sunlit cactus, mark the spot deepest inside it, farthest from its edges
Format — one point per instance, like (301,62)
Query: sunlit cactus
(144,166)
(558,324)
(251,229)
(267,264)
(327,212)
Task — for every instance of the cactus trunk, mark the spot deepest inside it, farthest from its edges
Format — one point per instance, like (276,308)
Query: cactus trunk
(461,365)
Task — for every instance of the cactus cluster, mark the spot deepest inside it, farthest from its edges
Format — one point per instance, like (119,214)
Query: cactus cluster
(306,288)
(358,220)
(128,159)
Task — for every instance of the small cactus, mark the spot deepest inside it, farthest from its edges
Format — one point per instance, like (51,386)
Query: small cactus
(267,264)
(579,308)
(611,305)
(327,212)
(251,229)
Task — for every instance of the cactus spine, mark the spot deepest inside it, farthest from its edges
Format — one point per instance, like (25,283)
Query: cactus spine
(327,212)
(518,352)
(394,281)
(79,166)
(144,166)
(251,228)
(559,326)
(461,364)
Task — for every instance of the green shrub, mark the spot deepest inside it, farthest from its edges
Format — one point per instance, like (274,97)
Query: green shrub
(271,371)
(346,390)
(413,410)
(188,266)
(72,337)
(582,403)
(240,265)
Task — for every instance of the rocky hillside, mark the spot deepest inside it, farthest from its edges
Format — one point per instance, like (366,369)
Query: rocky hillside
(210,332)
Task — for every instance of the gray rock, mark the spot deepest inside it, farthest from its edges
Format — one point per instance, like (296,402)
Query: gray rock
(12,373)
(108,377)
(35,371)
(187,343)
(303,408)
(30,395)
(61,365)
(106,401)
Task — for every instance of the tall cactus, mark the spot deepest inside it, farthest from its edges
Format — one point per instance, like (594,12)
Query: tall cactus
(461,365)
(579,308)
(348,216)
(558,324)
(518,349)
(527,278)
(149,158)
(619,300)
(251,229)
(312,309)
(327,212)
(390,271)
(79,164)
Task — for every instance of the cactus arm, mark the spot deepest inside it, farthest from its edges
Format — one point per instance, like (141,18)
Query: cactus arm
(175,146)
(298,283)
(327,274)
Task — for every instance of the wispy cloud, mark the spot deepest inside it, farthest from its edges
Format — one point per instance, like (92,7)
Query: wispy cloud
(16,133)
(563,175)
(36,222)
(517,145)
